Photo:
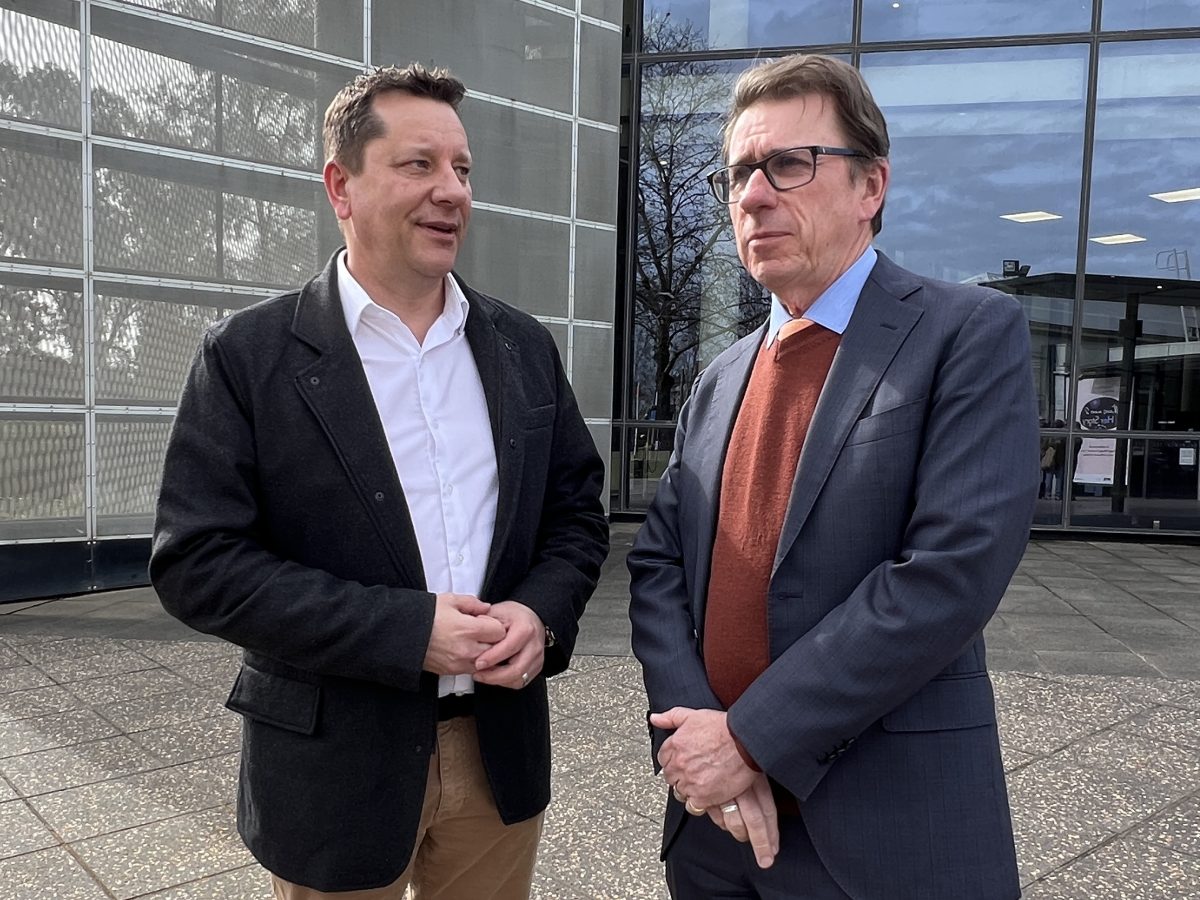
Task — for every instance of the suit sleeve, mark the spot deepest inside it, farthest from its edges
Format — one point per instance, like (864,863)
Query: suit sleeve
(572,533)
(212,568)
(665,633)
(975,487)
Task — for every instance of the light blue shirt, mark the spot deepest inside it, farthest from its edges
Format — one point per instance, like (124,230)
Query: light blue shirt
(835,306)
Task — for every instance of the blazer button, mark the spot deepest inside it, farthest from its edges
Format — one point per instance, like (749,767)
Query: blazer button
(379,496)
(418,748)
(512,442)
(314,381)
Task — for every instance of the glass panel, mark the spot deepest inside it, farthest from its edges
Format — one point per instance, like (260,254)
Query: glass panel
(503,47)
(522,261)
(987,149)
(39,70)
(221,101)
(1143,347)
(597,180)
(129,457)
(1142,315)
(649,448)
(165,220)
(671,26)
(41,182)
(692,298)
(1150,484)
(334,26)
(599,74)
(520,158)
(888,20)
(41,342)
(41,477)
(1122,15)
(1049,306)
(558,331)
(591,371)
(595,273)
(144,347)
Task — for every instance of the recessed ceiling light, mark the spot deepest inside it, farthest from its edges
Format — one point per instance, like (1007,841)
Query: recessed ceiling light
(1117,239)
(1178,196)
(1036,215)
(895,6)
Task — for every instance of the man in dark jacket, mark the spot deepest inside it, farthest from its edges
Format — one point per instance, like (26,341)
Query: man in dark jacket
(381,487)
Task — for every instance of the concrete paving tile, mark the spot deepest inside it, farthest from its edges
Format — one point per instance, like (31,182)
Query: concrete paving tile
(21,678)
(613,866)
(1176,663)
(219,670)
(626,781)
(1083,588)
(1165,770)
(1073,662)
(36,702)
(628,718)
(67,767)
(47,875)
(10,657)
(178,653)
(1004,660)
(109,806)
(129,686)
(1033,601)
(1038,715)
(1125,869)
(165,854)
(1175,828)
(21,831)
(247,883)
(578,744)
(1014,758)
(69,648)
(587,662)
(1142,691)
(197,739)
(75,726)
(71,669)
(1075,639)
(583,693)
(161,709)
(7,791)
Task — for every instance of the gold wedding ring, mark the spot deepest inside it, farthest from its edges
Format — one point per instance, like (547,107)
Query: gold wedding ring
(687,804)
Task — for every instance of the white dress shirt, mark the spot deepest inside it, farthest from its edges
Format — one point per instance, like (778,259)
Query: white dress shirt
(431,403)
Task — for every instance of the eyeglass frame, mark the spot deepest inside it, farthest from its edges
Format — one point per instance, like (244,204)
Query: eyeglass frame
(814,149)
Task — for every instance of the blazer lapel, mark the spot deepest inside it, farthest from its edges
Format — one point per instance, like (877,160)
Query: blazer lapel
(879,325)
(497,358)
(336,390)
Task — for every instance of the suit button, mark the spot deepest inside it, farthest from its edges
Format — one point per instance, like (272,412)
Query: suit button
(314,381)
(379,496)
(418,748)
(512,442)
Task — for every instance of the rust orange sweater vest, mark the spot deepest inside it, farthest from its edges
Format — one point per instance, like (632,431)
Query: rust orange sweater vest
(756,484)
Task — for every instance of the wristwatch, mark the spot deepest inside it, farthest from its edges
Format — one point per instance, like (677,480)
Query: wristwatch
(551,640)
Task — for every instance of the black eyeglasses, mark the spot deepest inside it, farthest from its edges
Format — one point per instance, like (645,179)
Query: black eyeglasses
(786,170)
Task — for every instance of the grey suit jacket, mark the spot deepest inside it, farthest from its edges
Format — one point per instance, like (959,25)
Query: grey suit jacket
(909,512)
(282,527)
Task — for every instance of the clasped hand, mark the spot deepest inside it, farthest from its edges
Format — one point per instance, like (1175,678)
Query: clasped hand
(500,644)
(702,764)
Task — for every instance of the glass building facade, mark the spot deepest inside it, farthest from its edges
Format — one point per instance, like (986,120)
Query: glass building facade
(1047,148)
(160,167)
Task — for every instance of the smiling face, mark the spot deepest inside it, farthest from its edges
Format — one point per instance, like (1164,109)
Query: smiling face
(405,212)
(797,243)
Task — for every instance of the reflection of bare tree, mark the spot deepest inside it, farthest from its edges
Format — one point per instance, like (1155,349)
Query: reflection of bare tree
(688,287)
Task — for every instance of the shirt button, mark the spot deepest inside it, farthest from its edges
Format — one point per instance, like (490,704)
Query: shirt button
(449,489)
(458,559)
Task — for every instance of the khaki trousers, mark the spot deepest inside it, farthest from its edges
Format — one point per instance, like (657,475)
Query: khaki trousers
(462,848)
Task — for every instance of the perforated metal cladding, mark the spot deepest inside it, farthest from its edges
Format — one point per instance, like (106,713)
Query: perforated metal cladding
(41,345)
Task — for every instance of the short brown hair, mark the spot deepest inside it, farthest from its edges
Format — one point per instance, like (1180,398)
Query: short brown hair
(806,74)
(350,122)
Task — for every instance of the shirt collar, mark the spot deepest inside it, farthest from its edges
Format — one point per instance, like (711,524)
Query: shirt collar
(356,301)
(835,306)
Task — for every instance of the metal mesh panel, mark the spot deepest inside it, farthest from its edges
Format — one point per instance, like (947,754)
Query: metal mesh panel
(269,243)
(129,457)
(41,344)
(39,71)
(144,348)
(42,210)
(263,123)
(41,477)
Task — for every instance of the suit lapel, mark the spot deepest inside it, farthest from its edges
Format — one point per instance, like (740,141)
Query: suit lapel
(497,359)
(713,430)
(336,390)
(879,325)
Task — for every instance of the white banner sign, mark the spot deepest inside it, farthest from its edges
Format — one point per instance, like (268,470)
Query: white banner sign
(1097,405)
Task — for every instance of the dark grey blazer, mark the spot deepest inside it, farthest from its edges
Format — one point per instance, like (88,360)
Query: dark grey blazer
(282,527)
(909,512)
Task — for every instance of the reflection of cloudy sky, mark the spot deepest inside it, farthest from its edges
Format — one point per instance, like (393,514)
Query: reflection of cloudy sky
(974,18)
(761,23)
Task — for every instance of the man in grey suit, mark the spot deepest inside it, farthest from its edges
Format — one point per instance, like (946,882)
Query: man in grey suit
(380,486)
(850,491)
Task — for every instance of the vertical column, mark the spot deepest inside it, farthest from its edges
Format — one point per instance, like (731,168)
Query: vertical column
(89,265)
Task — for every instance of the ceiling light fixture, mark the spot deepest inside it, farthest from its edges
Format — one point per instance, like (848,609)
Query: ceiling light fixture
(1178,196)
(1117,239)
(1036,215)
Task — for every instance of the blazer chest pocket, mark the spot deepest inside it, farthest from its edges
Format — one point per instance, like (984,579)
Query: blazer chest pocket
(539,416)
(898,420)
(275,700)
(946,704)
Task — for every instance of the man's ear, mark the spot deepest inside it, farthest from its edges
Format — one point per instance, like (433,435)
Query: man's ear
(874,186)
(336,177)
